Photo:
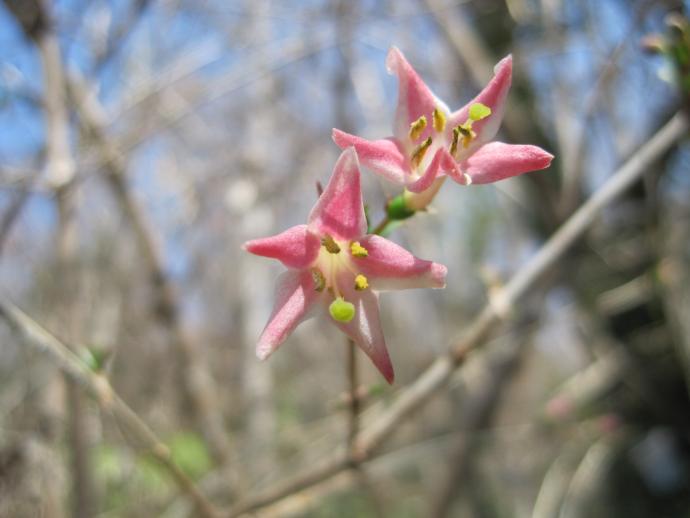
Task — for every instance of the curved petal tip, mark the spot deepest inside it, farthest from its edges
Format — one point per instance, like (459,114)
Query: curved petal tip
(393,59)
(438,275)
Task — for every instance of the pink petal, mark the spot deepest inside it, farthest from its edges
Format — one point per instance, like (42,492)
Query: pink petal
(384,157)
(295,300)
(365,330)
(496,160)
(389,266)
(414,96)
(494,96)
(339,211)
(441,163)
(297,247)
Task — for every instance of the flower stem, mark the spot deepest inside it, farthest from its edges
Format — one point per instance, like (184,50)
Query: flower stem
(381,226)
(354,396)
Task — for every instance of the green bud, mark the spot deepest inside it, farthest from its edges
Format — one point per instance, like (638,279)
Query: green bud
(397,208)
(94,358)
(479,111)
(341,310)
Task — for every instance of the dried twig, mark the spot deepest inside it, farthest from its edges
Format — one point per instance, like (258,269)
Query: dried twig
(198,384)
(573,165)
(480,409)
(97,385)
(60,171)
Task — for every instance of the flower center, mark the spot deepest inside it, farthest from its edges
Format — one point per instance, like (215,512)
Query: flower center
(432,142)
(335,265)
(461,134)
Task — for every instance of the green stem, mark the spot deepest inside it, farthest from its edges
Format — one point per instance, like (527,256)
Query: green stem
(381,226)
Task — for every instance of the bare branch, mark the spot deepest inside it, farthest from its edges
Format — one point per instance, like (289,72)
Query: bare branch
(198,384)
(98,386)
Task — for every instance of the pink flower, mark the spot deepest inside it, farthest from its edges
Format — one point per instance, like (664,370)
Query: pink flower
(429,141)
(333,263)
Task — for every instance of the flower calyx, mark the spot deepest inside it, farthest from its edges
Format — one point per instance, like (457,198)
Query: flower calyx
(398,209)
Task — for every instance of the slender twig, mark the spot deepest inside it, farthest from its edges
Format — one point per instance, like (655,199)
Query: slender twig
(378,229)
(19,200)
(60,168)
(573,164)
(198,384)
(98,386)
(592,473)
(556,480)
(481,408)
(439,372)
(353,428)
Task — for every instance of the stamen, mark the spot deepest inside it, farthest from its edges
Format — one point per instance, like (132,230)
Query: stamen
(419,153)
(358,250)
(330,245)
(319,279)
(467,134)
(417,127)
(439,120)
(454,144)
(479,111)
(361,282)
(341,310)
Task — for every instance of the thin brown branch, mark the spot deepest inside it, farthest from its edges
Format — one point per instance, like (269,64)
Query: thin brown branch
(19,199)
(98,386)
(499,308)
(481,408)
(353,378)
(60,167)
(198,384)
(573,163)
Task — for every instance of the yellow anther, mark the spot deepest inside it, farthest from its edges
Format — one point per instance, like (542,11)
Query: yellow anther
(361,282)
(454,144)
(417,127)
(319,279)
(419,153)
(467,134)
(330,245)
(358,250)
(439,120)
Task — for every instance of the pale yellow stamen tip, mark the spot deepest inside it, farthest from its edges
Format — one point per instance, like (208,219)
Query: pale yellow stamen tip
(358,250)
(330,245)
(479,111)
(341,310)
(439,120)
(419,153)
(417,127)
(468,179)
(361,282)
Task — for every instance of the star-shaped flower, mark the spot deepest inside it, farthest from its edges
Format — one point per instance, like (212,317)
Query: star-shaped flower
(334,264)
(430,142)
